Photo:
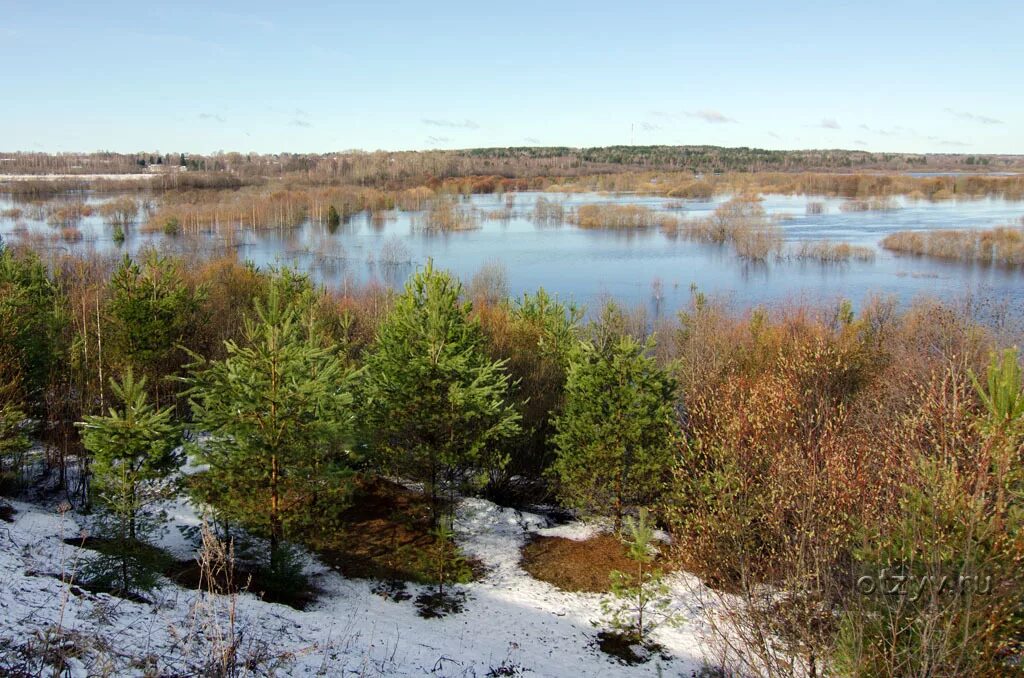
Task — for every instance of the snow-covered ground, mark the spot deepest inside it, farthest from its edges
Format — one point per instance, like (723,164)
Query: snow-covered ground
(510,619)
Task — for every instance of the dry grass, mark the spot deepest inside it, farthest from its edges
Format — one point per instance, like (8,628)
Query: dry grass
(830,251)
(1002,245)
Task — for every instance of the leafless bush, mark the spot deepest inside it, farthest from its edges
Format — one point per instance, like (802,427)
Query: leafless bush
(120,212)
(741,222)
(490,284)
(445,214)
(548,212)
(394,252)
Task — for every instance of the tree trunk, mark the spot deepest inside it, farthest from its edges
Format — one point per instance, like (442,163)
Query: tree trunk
(275,519)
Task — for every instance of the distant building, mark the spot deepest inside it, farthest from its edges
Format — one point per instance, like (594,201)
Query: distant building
(165,169)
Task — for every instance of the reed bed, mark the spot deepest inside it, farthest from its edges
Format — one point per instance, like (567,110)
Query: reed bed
(830,251)
(259,208)
(620,217)
(1003,245)
(882,204)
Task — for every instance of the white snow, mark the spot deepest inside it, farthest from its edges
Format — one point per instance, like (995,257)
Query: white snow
(509,617)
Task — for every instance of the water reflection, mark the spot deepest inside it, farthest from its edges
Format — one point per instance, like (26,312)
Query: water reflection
(644,266)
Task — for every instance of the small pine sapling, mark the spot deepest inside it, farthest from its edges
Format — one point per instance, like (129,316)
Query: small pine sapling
(133,451)
(447,565)
(640,601)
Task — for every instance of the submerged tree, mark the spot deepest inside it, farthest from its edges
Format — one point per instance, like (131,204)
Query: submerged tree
(614,435)
(133,451)
(435,405)
(277,411)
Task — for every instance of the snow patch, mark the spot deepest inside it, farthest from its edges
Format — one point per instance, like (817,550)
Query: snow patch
(510,618)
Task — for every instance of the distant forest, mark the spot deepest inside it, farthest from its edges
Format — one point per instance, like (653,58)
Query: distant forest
(373,167)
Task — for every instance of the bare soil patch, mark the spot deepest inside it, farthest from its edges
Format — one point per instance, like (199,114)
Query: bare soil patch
(574,565)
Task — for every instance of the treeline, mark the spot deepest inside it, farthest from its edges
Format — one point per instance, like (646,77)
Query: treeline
(803,460)
(719,159)
(377,167)
(860,187)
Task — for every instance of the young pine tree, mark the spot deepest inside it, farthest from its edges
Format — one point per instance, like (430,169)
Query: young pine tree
(30,324)
(278,413)
(436,406)
(151,310)
(640,601)
(132,452)
(333,218)
(614,434)
(14,440)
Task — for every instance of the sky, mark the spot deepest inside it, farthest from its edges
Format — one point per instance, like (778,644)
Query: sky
(308,77)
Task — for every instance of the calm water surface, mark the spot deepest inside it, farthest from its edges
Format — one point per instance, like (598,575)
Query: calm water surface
(634,267)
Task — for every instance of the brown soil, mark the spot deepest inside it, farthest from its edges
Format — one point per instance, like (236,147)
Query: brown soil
(576,565)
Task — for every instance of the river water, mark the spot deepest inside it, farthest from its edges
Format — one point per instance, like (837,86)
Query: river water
(635,267)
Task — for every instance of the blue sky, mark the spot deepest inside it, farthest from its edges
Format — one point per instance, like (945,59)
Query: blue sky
(294,76)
